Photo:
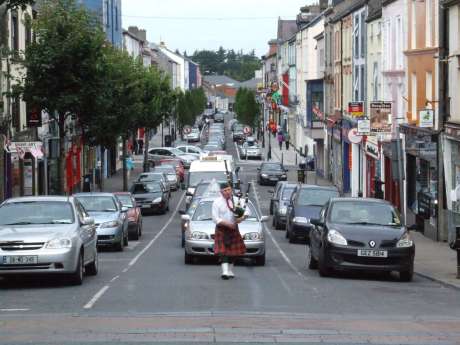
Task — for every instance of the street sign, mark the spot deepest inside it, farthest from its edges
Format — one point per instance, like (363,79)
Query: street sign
(187,130)
(354,136)
(247,130)
(426,118)
(364,127)
(356,108)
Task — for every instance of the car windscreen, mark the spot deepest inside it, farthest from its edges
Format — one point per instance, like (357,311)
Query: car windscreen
(36,212)
(176,151)
(204,212)
(167,169)
(272,166)
(98,203)
(142,188)
(199,176)
(315,197)
(125,200)
(361,212)
(151,177)
(287,192)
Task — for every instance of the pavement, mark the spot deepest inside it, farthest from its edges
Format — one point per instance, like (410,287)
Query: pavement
(433,260)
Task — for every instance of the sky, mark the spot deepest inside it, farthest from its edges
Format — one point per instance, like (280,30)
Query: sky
(207,24)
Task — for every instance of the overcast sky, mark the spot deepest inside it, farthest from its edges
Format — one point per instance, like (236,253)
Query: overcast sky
(207,24)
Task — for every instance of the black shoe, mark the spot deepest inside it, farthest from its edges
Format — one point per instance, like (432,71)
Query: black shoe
(224,277)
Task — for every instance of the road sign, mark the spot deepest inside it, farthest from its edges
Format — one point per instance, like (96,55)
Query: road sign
(187,130)
(354,136)
(364,126)
(356,108)
(247,130)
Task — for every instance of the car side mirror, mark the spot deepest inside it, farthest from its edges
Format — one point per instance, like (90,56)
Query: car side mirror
(286,170)
(87,221)
(181,212)
(237,170)
(185,217)
(413,227)
(264,219)
(124,209)
(316,222)
(258,169)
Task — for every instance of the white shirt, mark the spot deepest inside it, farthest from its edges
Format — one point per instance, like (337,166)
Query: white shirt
(221,212)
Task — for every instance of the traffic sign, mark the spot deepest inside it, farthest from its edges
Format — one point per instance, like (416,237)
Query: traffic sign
(187,130)
(247,130)
(354,137)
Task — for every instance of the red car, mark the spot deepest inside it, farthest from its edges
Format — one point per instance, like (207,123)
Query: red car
(134,214)
(180,170)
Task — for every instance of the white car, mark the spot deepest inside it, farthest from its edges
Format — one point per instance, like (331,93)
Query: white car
(193,136)
(191,150)
(158,153)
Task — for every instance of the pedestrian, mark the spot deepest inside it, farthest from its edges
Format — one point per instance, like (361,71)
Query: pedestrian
(228,243)
(280,139)
(287,137)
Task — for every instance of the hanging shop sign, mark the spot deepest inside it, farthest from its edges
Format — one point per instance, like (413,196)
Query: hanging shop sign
(426,118)
(34,118)
(372,150)
(354,136)
(380,114)
(364,127)
(356,108)
(21,148)
(187,130)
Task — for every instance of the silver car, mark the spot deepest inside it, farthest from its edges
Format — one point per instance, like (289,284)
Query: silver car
(110,218)
(193,136)
(42,235)
(158,153)
(171,175)
(199,235)
(250,151)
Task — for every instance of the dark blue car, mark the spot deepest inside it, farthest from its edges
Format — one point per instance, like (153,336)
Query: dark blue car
(306,203)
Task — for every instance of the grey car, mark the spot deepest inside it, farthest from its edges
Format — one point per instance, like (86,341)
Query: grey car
(110,218)
(199,235)
(158,153)
(155,177)
(43,235)
(248,150)
(171,175)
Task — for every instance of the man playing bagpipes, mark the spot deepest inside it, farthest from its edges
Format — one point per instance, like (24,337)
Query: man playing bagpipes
(228,243)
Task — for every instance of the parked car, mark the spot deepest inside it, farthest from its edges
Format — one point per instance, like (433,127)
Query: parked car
(306,203)
(47,235)
(155,177)
(177,163)
(171,175)
(109,216)
(238,133)
(279,203)
(151,197)
(219,117)
(361,234)
(250,151)
(191,150)
(199,235)
(158,153)
(271,173)
(193,136)
(134,214)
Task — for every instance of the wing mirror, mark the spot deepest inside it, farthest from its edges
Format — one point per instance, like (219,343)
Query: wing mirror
(185,217)
(124,209)
(87,221)
(264,219)
(316,222)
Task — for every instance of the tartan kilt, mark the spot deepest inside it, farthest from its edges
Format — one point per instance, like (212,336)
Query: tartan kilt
(235,246)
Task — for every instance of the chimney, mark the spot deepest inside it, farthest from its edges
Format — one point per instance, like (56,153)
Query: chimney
(142,35)
(134,30)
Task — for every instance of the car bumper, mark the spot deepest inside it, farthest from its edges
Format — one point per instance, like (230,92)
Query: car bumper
(153,207)
(109,236)
(345,258)
(272,180)
(206,248)
(48,261)
(300,231)
(281,218)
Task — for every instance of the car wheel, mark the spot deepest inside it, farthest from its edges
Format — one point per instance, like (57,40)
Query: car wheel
(260,260)
(119,247)
(92,268)
(287,232)
(406,276)
(76,278)
(271,208)
(188,259)
(135,236)
(277,224)
(273,221)
(291,238)
(324,271)
(183,240)
(312,262)
(140,229)
(125,239)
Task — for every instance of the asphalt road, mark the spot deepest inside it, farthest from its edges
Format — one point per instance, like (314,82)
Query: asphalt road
(147,294)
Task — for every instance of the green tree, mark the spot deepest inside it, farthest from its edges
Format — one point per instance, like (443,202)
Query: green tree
(63,66)
(246,107)
(10,4)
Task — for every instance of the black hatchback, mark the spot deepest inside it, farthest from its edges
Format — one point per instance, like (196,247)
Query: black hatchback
(361,234)
(306,203)
(271,173)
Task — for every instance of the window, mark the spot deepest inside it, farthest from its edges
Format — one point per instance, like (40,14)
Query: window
(16,113)
(398,43)
(414,95)
(28,29)
(362,33)
(356,38)
(107,13)
(375,81)
(429,89)
(116,18)
(14,31)
(413,42)
(429,22)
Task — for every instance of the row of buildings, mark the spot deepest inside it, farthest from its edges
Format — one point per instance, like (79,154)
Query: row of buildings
(371,88)
(29,141)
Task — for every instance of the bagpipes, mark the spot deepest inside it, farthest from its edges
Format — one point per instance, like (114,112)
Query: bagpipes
(239,209)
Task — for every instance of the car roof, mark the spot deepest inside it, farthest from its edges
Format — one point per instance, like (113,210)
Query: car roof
(93,194)
(122,193)
(313,186)
(363,200)
(40,198)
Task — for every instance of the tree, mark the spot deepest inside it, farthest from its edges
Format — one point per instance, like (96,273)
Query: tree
(63,67)
(246,107)
(11,4)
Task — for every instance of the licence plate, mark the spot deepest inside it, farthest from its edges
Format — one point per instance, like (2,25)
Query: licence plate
(273,178)
(145,206)
(20,260)
(373,253)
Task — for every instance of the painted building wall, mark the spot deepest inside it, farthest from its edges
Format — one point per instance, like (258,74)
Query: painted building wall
(454,63)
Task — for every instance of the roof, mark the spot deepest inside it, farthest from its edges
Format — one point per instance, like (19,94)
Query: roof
(347,8)
(286,28)
(39,198)
(251,83)
(313,186)
(372,200)
(220,80)
(93,194)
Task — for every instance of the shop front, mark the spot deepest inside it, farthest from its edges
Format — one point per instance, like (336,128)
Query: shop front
(422,179)
(372,168)
(390,175)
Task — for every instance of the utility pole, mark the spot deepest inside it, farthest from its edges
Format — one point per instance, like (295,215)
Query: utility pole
(400,172)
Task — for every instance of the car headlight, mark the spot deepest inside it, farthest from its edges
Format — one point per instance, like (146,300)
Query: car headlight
(59,243)
(156,201)
(253,236)
(301,220)
(264,175)
(198,235)
(405,241)
(111,224)
(282,210)
(335,237)
(283,176)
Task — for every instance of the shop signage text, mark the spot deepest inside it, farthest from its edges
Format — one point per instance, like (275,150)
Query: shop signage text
(364,126)
(380,117)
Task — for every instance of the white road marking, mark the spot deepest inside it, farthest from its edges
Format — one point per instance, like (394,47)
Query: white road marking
(8,310)
(125,270)
(114,278)
(133,245)
(237,152)
(134,260)
(98,295)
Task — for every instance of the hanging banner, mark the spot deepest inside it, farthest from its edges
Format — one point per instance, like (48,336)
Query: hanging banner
(426,118)
(380,117)
(34,118)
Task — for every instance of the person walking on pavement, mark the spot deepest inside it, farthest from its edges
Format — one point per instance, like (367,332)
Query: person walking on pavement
(280,139)
(228,243)
(287,137)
